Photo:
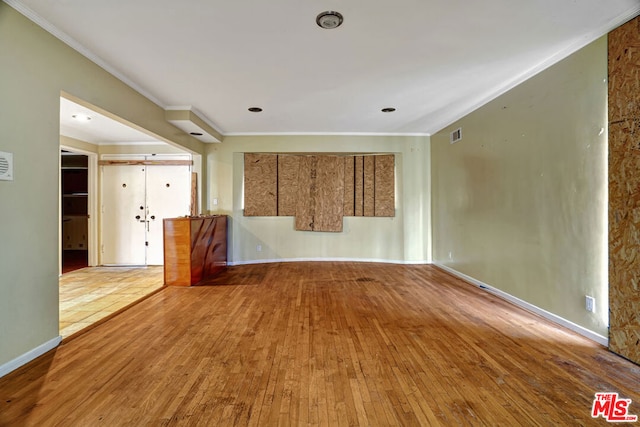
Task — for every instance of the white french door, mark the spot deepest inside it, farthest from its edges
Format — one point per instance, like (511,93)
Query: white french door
(135,199)
(168,196)
(123,207)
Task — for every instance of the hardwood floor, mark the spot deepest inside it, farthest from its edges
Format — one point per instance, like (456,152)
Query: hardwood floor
(90,295)
(74,260)
(320,344)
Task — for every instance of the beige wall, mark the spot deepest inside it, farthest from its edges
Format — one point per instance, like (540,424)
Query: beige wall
(404,238)
(76,144)
(36,67)
(520,202)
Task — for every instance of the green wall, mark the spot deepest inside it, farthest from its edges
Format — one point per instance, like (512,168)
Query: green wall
(520,202)
(35,68)
(404,238)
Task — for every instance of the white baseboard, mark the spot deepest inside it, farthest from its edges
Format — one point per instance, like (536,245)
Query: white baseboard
(27,357)
(529,307)
(268,261)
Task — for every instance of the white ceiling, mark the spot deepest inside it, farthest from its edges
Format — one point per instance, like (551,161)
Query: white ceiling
(100,129)
(433,60)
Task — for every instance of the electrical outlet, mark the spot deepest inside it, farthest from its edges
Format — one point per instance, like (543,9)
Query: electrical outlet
(590,304)
(259,248)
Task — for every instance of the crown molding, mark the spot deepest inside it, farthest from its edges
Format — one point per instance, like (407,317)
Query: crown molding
(322,134)
(579,43)
(76,45)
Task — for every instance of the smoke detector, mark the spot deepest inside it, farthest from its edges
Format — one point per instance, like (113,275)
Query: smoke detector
(329,20)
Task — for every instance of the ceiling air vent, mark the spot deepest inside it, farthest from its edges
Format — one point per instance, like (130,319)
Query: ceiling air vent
(6,166)
(456,135)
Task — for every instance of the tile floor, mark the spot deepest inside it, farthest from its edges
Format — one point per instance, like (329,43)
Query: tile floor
(91,294)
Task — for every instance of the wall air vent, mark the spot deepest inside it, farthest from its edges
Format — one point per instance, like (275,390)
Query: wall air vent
(6,166)
(456,135)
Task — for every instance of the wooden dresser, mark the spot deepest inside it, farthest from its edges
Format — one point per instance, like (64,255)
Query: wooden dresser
(195,248)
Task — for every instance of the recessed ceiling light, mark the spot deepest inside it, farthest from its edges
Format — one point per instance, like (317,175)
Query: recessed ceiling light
(388,110)
(329,20)
(255,109)
(81,117)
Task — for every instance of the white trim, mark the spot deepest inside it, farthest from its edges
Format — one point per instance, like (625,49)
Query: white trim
(76,45)
(197,113)
(529,307)
(269,261)
(160,143)
(178,107)
(29,356)
(326,134)
(92,204)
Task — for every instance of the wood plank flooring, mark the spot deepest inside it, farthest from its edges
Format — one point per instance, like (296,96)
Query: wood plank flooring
(89,295)
(320,344)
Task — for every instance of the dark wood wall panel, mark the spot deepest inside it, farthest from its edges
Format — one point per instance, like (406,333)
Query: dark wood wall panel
(260,184)
(359,186)
(349,186)
(384,197)
(368,194)
(288,169)
(624,190)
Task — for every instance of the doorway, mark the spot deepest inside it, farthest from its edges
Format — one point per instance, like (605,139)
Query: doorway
(91,295)
(74,184)
(137,194)
(78,206)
